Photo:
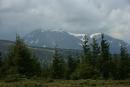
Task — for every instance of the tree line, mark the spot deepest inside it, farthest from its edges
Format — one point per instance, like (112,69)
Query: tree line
(95,62)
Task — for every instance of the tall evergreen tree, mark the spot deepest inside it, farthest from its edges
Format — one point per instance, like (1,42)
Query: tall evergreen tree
(105,58)
(21,61)
(86,49)
(95,52)
(58,66)
(115,67)
(1,65)
(95,58)
(71,66)
(1,60)
(124,65)
(85,69)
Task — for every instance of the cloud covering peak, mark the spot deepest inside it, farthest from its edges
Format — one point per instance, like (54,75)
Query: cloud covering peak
(89,16)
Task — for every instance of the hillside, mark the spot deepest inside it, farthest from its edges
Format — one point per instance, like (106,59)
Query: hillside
(43,54)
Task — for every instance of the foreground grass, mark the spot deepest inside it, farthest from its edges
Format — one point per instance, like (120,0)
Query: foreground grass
(65,83)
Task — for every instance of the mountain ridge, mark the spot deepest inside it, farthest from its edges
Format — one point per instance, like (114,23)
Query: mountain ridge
(68,40)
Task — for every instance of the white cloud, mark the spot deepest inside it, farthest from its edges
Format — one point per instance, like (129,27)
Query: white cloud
(108,16)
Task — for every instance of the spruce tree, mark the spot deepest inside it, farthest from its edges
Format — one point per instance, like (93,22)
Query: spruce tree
(85,69)
(1,60)
(124,65)
(87,51)
(21,61)
(114,66)
(71,66)
(95,57)
(58,66)
(1,65)
(95,53)
(105,58)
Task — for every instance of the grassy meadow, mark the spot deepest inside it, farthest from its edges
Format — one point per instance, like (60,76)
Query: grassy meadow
(65,83)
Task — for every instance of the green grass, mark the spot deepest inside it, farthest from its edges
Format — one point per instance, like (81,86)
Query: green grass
(65,83)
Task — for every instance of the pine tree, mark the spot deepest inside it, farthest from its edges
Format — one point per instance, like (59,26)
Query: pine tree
(1,65)
(95,57)
(95,52)
(124,65)
(71,66)
(105,58)
(86,49)
(114,66)
(21,61)
(85,69)
(1,60)
(58,66)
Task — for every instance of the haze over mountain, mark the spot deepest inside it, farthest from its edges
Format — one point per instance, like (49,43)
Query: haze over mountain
(67,40)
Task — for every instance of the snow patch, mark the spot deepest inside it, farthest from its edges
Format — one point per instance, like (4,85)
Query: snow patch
(77,35)
(95,35)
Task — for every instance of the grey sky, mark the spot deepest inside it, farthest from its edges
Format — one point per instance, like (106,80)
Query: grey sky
(89,16)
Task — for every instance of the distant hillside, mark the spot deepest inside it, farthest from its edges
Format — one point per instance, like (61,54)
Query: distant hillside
(5,45)
(50,39)
(67,40)
(43,54)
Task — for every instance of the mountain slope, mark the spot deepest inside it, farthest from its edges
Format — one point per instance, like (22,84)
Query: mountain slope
(50,39)
(67,40)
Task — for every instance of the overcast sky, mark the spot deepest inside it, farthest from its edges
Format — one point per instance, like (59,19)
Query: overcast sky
(89,16)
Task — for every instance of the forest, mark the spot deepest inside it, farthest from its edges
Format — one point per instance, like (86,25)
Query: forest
(96,62)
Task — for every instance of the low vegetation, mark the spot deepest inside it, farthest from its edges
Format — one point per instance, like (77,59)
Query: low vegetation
(66,83)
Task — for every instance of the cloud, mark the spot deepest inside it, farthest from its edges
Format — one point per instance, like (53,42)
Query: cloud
(90,16)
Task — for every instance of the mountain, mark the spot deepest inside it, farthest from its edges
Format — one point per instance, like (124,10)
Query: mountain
(67,40)
(50,39)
